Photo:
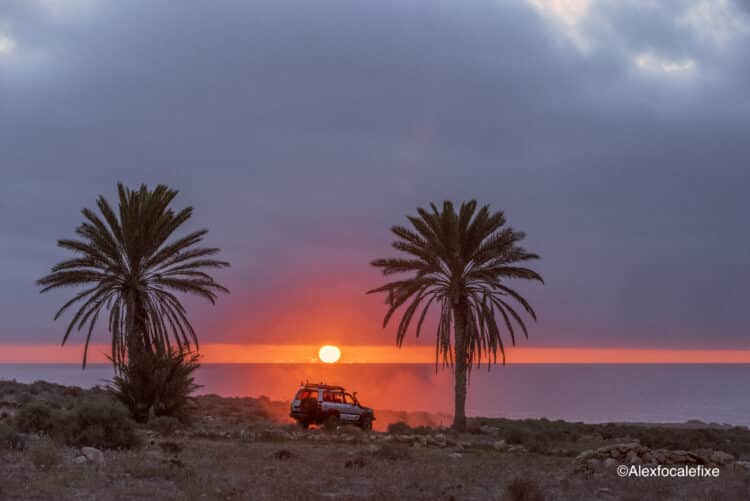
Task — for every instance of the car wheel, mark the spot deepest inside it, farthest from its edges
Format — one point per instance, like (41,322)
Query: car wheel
(331,422)
(303,424)
(366,423)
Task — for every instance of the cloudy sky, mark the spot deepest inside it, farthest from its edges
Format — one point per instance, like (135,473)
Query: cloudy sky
(615,133)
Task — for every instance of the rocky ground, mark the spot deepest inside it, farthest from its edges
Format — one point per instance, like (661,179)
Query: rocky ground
(244,449)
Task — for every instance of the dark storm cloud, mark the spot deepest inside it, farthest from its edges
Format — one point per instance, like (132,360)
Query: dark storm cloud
(302,130)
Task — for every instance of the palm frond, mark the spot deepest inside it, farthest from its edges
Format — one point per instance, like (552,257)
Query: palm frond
(458,259)
(130,264)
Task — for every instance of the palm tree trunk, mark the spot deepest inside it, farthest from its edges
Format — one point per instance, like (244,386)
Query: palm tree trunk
(136,335)
(138,364)
(459,412)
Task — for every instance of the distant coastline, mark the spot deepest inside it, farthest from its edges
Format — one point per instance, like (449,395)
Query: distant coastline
(646,393)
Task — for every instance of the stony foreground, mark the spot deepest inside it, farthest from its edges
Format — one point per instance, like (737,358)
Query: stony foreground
(233,451)
(339,465)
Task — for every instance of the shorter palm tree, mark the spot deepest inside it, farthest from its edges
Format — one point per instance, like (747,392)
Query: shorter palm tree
(132,270)
(459,262)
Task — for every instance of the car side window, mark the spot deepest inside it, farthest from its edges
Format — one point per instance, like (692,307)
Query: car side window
(348,399)
(335,397)
(303,394)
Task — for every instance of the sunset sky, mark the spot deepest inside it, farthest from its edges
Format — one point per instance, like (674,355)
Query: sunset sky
(614,133)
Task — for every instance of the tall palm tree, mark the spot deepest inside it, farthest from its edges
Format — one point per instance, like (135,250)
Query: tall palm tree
(459,262)
(132,274)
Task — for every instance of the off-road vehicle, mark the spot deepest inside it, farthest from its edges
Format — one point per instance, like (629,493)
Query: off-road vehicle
(326,405)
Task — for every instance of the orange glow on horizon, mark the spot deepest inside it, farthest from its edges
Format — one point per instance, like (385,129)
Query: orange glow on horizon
(384,354)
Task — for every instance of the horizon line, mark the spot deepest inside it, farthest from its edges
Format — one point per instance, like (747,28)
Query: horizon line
(236,353)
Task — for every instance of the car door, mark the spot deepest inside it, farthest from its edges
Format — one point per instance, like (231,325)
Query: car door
(327,402)
(349,411)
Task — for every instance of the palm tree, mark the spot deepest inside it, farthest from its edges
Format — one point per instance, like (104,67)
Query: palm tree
(132,274)
(459,262)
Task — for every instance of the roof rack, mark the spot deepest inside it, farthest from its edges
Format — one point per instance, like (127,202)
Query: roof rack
(321,385)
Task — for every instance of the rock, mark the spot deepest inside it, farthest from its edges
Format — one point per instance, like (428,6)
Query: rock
(247,435)
(621,448)
(436,440)
(489,430)
(721,457)
(273,435)
(678,454)
(92,454)
(283,455)
(591,438)
(635,453)
(593,463)
(632,457)
(500,445)
(80,460)
(350,429)
(455,455)
(745,465)
(681,457)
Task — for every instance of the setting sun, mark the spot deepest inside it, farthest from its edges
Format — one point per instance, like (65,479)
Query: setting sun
(329,354)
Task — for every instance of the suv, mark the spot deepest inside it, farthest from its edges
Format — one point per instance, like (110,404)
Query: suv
(329,406)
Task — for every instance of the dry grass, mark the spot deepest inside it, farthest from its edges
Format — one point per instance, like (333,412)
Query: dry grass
(238,453)
(231,469)
(393,452)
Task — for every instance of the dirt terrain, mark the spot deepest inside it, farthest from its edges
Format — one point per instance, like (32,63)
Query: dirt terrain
(244,449)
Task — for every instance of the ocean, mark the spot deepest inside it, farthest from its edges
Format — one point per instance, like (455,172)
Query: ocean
(587,393)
